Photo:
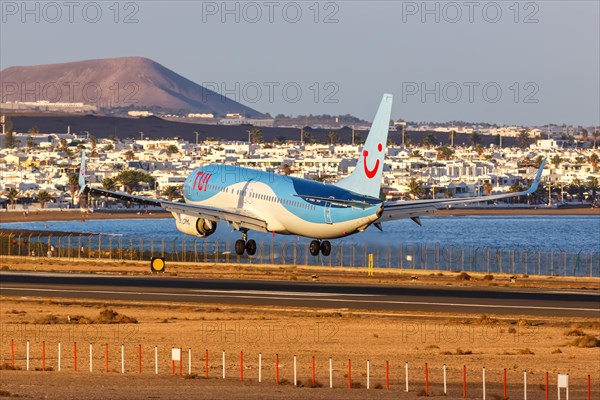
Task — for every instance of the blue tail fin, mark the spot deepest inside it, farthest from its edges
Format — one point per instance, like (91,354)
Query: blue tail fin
(366,178)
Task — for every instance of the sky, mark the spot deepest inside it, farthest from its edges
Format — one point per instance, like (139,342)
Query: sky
(506,62)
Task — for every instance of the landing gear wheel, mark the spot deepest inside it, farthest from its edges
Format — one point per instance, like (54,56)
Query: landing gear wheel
(326,248)
(251,247)
(315,247)
(240,246)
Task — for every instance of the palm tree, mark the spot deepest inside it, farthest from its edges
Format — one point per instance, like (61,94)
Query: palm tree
(109,184)
(479,149)
(63,144)
(287,170)
(12,195)
(556,160)
(487,188)
(444,153)
(257,136)
(577,188)
(523,139)
(333,137)
(43,198)
(129,155)
(73,185)
(30,142)
(594,160)
(415,188)
(171,192)
(429,140)
(93,141)
(475,138)
(172,149)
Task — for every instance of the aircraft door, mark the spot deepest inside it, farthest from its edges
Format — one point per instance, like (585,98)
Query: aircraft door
(328,213)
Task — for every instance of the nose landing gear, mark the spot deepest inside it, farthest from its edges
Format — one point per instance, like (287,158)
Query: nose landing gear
(324,247)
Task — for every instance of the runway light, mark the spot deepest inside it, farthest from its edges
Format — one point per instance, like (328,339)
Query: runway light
(157,264)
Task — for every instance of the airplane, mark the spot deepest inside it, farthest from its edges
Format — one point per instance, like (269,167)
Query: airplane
(254,200)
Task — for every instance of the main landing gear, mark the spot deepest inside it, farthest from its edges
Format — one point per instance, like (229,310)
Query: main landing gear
(249,246)
(317,246)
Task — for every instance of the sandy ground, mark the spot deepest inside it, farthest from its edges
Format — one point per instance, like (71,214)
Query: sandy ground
(517,343)
(47,215)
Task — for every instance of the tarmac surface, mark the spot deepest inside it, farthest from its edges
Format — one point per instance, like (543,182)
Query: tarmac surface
(397,298)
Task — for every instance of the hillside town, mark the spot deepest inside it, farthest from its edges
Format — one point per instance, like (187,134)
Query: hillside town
(39,170)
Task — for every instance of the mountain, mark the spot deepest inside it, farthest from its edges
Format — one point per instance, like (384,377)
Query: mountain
(134,82)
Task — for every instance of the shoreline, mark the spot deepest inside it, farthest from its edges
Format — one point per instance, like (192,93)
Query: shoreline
(73,215)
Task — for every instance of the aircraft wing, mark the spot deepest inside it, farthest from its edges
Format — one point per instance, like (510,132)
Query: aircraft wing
(240,219)
(414,208)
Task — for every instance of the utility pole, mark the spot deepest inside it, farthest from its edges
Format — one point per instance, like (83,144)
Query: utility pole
(352,135)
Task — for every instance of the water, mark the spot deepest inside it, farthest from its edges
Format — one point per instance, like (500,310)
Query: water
(555,233)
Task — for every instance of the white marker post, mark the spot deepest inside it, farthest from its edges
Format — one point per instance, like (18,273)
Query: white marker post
(368,374)
(483,380)
(59,356)
(27,355)
(189,360)
(259,367)
(406,375)
(156,360)
(122,359)
(295,376)
(445,380)
(223,364)
(91,357)
(525,385)
(330,373)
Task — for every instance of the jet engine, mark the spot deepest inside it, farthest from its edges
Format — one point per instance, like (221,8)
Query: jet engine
(195,226)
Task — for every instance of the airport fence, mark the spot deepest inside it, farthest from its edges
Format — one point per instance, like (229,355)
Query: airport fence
(405,256)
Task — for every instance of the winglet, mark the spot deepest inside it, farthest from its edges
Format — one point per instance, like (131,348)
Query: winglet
(82,182)
(537,180)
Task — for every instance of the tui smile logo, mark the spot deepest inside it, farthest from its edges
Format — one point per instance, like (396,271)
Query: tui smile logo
(371,172)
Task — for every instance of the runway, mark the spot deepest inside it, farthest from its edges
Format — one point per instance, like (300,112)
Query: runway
(444,299)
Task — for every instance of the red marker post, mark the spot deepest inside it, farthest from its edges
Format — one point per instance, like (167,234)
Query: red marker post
(547,385)
(387,375)
(426,380)
(139,358)
(277,369)
(464,381)
(349,374)
(313,370)
(43,355)
(106,359)
(206,362)
(241,365)
(504,378)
